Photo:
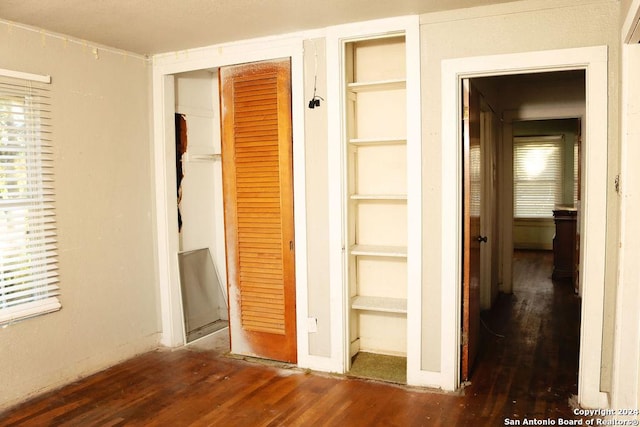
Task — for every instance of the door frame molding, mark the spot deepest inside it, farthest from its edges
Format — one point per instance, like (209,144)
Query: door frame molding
(592,228)
(626,368)
(165,66)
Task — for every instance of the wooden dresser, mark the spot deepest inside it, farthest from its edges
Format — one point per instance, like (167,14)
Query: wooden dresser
(564,244)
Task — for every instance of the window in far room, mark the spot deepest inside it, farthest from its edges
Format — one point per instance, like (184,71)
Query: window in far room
(537,175)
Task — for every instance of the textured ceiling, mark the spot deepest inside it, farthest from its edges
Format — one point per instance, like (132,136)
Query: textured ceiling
(155,26)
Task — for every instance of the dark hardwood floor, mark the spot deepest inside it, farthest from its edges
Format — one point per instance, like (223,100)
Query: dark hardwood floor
(531,372)
(532,366)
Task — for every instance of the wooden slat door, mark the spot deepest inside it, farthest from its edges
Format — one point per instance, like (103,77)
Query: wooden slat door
(258,198)
(472,208)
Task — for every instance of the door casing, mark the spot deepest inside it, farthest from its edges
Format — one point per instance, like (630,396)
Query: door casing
(211,58)
(593,230)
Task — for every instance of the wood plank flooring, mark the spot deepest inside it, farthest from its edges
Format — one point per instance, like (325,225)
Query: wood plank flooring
(530,373)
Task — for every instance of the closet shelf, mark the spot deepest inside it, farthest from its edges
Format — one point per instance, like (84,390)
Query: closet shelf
(391,84)
(378,250)
(378,141)
(380,304)
(378,197)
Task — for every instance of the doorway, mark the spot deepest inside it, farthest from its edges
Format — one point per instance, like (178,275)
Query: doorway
(592,228)
(526,339)
(518,186)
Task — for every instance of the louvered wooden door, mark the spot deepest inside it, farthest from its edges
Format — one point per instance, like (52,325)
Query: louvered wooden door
(258,199)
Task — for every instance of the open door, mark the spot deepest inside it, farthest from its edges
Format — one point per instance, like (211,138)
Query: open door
(472,208)
(258,198)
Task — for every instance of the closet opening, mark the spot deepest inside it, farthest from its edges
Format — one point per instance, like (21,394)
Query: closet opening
(235,216)
(201,258)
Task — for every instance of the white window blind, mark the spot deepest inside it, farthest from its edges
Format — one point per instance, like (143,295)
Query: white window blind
(28,259)
(537,173)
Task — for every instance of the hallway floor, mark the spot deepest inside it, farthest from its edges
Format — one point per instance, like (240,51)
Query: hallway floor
(530,373)
(528,357)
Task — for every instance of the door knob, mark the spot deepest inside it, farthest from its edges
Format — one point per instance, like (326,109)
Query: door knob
(482,239)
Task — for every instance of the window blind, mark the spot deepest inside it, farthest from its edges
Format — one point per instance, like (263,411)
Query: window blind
(28,259)
(537,171)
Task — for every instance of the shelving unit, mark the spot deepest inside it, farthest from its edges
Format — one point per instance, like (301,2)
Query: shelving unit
(377,230)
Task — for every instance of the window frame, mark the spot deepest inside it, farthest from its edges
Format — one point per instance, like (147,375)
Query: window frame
(28,258)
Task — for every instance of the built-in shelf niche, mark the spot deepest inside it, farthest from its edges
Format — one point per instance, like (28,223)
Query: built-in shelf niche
(377,228)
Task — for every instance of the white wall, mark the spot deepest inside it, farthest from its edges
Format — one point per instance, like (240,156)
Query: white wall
(625,7)
(101,140)
(317,197)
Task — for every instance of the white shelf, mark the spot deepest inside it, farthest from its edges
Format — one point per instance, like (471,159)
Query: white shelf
(380,304)
(378,197)
(377,250)
(392,84)
(378,141)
